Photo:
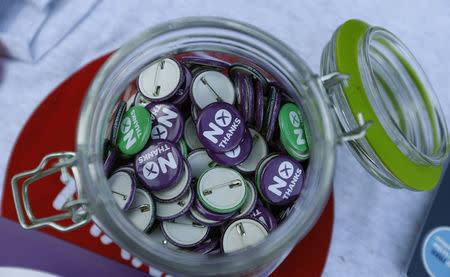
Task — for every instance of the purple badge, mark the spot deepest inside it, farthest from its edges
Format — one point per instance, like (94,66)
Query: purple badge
(203,61)
(109,162)
(259,103)
(209,214)
(248,70)
(220,127)
(263,215)
(207,246)
(281,180)
(271,119)
(250,98)
(236,155)
(241,93)
(183,93)
(167,121)
(159,166)
(200,219)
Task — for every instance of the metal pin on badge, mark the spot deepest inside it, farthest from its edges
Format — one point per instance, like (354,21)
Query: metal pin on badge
(143,208)
(230,184)
(121,194)
(240,229)
(218,98)
(193,224)
(157,87)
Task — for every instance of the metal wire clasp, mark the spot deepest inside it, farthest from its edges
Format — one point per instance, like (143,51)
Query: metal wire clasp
(337,78)
(76,209)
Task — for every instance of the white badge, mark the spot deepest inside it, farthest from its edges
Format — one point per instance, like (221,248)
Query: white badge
(142,211)
(212,86)
(241,234)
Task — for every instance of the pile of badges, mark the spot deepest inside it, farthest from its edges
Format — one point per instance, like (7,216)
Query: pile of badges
(204,155)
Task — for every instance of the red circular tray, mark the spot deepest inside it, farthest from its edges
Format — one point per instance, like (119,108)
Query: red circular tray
(52,127)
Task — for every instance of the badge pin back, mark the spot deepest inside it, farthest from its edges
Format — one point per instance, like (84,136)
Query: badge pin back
(258,151)
(160,80)
(263,215)
(259,106)
(210,214)
(236,155)
(281,180)
(200,162)
(121,108)
(190,135)
(123,188)
(248,70)
(184,232)
(172,210)
(242,233)
(291,125)
(275,103)
(159,165)
(192,61)
(182,94)
(250,98)
(176,191)
(200,219)
(142,211)
(134,130)
(167,121)
(220,127)
(207,246)
(211,86)
(221,190)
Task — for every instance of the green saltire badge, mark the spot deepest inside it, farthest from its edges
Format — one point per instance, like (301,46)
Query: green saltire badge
(292,128)
(134,130)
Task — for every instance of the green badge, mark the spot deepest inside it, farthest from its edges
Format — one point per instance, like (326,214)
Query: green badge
(181,144)
(134,130)
(292,128)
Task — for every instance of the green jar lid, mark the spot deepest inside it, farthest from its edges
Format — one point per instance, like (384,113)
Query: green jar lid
(292,128)
(134,130)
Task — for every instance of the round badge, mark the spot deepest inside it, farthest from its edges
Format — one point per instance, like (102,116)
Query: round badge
(182,94)
(160,80)
(190,135)
(220,127)
(140,100)
(184,232)
(259,106)
(274,104)
(200,162)
(159,166)
(258,152)
(176,191)
(211,86)
(142,211)
(134,130)
(236,155)
(181,144)
(194,113)
(241,92)
(121,108)
(209,214)
(204,61)
(241,234)
(261,165)
(250,98)
(109,162)
(281,180)
(250,201)
(157,236)
(221,190)
(248,70)
(167,121)
(298,155)
(200,219)
(206,246)
(292,129)
(171,210)
(263,215)
(123,187)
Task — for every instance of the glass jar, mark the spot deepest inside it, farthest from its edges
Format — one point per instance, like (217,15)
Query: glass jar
(357,106)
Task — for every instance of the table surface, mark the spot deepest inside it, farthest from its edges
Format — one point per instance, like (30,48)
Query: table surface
(375,226)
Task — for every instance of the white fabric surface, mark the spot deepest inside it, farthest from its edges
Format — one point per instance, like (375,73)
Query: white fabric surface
(375,226)
(27,27)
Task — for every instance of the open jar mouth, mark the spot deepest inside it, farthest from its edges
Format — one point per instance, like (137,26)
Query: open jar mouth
(402,97)
(211,35)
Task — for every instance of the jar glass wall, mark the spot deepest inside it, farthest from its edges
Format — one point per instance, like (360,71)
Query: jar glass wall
(212,35)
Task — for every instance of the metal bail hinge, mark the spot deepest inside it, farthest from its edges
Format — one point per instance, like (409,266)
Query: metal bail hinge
(75,209)
(333,79)
(358,132)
